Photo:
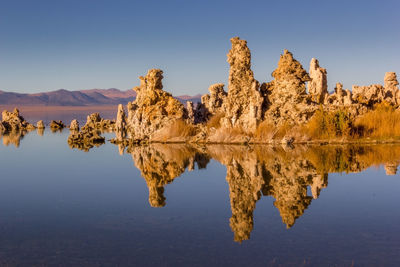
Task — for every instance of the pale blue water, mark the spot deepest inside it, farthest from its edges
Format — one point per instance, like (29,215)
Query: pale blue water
(64,207)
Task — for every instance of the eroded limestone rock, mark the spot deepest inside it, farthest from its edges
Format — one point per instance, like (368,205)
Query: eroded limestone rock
(288,101)
(120,124)
(95,122)
(57,126)
(74,126)
(368,95)
(340,97)
(153,108)
(213,102)
(40,125)
(318,85)
(13,121)
(243,105)
(392,93)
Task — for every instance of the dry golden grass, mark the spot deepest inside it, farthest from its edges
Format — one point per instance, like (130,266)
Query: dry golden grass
(215,120)
(229,135)
(382,122)
(178,131)
(268,131)
(180,128)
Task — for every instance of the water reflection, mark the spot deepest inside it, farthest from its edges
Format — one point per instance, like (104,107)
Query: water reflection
(292,176)
(13,137)
(252,172)
(160,164)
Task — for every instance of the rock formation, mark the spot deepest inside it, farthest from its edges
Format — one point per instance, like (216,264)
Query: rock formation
(368,95)
(89,136)
(213,102)
(392,93)
(243,105)
(288,101)
(13,121)
(74,126)
(153,108)
(95,122)
(120,124)
(40,125)
(235,116)
(56,126)
(340,97)
(318,85)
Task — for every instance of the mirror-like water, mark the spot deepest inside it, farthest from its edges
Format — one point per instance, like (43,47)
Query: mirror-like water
(180,205)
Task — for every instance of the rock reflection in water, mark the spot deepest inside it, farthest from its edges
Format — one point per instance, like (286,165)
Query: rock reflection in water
(13,137)
(160,164)
(253,172)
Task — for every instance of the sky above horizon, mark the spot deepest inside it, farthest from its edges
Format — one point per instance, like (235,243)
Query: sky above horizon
(46,45)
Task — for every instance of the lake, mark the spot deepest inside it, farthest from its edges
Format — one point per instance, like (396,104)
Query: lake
(188,205)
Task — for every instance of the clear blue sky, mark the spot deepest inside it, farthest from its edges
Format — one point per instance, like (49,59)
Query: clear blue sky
(79,44)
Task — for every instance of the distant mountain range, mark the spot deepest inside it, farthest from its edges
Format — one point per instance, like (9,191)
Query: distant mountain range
(88,97)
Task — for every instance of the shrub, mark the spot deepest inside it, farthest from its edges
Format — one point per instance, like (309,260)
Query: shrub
(326,124)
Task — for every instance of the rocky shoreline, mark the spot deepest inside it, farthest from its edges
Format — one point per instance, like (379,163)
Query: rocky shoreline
(250,112)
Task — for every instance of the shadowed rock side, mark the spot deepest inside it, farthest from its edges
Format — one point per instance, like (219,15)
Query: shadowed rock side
(160,164)
(253,172)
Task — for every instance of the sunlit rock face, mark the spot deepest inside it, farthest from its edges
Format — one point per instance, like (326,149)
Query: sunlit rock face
(40,125)
(340,97)
(318,85)
(153,108)
(56,126)
(120,123)
(95,122)
(288,101)
(13,121)
(392,93)
(160,164)
(214,100)
(368,95)
(74,125)
(243,104)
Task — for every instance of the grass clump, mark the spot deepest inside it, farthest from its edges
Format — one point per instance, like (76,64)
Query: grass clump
(180,128)
(382,122)
(267,131)
(215,120)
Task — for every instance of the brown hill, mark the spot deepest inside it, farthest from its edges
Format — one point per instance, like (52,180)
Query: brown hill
(89,97)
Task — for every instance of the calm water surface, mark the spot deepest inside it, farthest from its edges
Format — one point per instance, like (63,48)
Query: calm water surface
(179,205)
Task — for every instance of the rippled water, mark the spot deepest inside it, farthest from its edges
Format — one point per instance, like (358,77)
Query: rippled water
(181,205)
